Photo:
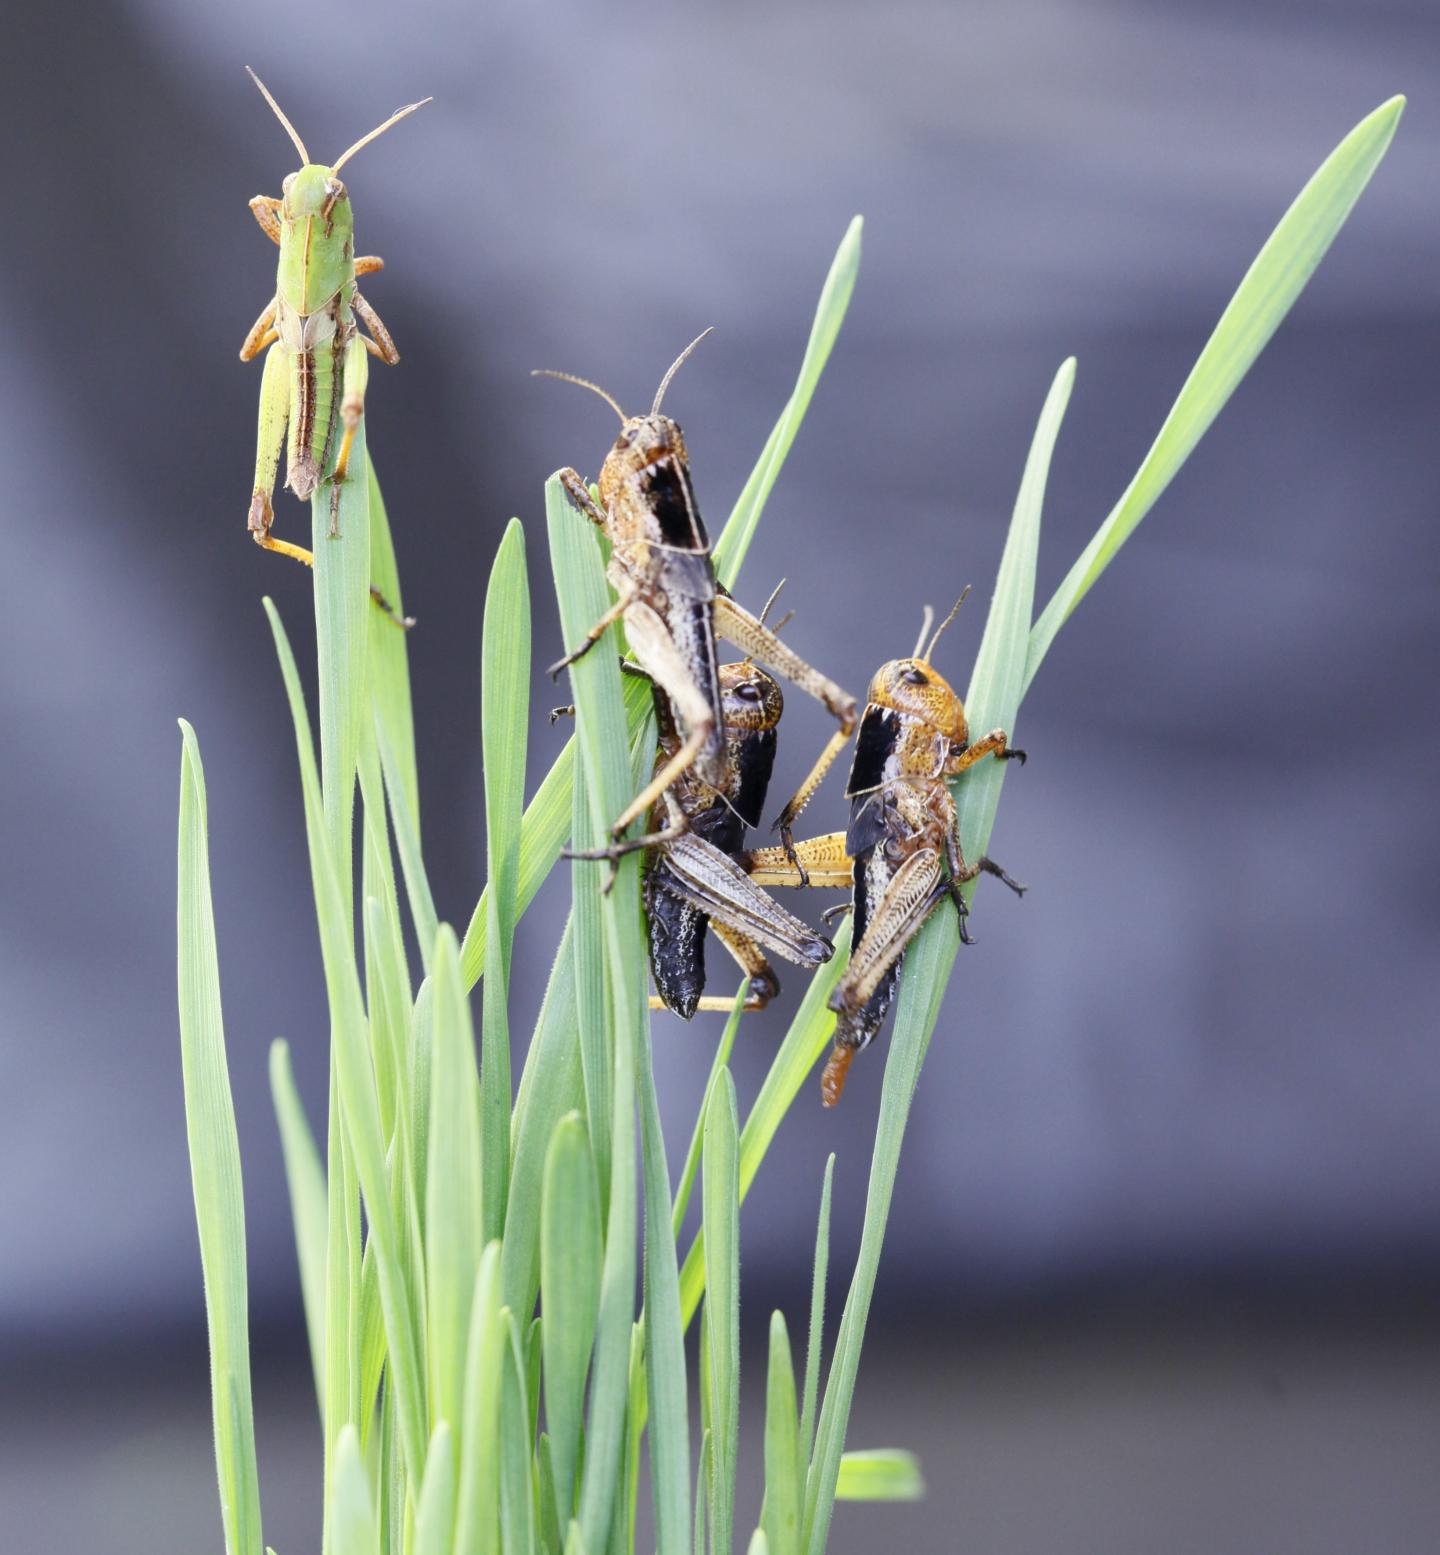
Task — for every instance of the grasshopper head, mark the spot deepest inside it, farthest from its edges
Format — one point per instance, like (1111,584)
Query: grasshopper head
(314,191)
(751,699)
(915,689)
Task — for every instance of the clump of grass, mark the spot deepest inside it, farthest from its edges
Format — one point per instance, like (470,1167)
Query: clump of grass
(443,1210)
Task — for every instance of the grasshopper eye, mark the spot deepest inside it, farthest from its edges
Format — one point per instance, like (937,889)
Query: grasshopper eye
(749,692)
(914,677)
(287,183)
(334,188)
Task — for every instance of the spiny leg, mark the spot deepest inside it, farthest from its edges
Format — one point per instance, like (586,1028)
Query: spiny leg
(270,443)
(764,985)
(371,319)
(265,208)
(818,861)
(736,625)
(262,333)
(785,824)
(996,743)
(593,636)
(654,647)
(352,407)
(579,495)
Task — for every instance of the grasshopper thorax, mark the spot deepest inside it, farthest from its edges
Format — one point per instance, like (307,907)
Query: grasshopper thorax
(645,487)
(751,698)
(920,694)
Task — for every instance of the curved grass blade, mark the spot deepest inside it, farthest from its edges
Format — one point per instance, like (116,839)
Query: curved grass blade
(720,1170)
(358,1105)
(389,665)
(342,640)
(435,1519)
(453,1185)
(815,1343)
(805,1042)
(1263,298)
(930,958)
(305,1177)
(477,1502)
(835,296)
(784,1447)
(570,1259)
(505,700)
(215,1166)
(352,1524)
(603,743)
(517,1491)
(692,1156)
(880,1474)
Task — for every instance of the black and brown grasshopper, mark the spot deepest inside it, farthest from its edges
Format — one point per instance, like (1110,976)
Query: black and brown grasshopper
(901,854)
(692,881)
(691,878)
(667,594)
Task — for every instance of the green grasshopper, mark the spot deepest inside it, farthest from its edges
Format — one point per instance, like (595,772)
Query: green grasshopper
(316,366)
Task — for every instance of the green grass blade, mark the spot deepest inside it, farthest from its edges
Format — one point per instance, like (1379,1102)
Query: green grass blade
(815,1344)
(359,1107)
(407,845)
(353,1528)
(453,1184)
(592,987)
(477,1513)
(829,315)
(720,1177)
(435,1517)
(570,1259)
(784,1454)
(1264,297)
(702,1484)
(389,666)
(692,1155)
(543,832)
(549,1088)
(342,639)
(759,1544)
(881,1474)
(517,1491)
(664,1332)
(505,702)
(215,1165)
(622,1541)
(343,1318)
(995,692)
(805,1042)
(305,1178)
(601,731)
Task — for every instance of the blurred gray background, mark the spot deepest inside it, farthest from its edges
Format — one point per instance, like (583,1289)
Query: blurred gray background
(1163,1268)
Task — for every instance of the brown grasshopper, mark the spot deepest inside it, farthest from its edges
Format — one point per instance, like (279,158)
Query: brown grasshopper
(691,879)
(901,854)
(667,594)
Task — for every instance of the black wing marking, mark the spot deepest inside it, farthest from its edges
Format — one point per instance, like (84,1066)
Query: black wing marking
(677,944)
(666,485)
(879,734)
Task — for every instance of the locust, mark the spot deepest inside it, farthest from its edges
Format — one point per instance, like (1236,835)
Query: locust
(317,357)
(901,854)
(667,594)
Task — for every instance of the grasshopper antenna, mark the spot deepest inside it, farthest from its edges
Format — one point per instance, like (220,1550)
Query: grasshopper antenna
(289,128)
(675,368)
(926,622)
(395,118)
(584,383)
(770,603)
(954,611)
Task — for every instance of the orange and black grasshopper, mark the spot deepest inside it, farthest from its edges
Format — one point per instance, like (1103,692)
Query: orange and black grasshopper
(668,596)
(901,854)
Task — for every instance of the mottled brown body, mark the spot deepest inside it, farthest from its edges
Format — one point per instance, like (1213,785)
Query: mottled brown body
(667,595)
(901,853)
